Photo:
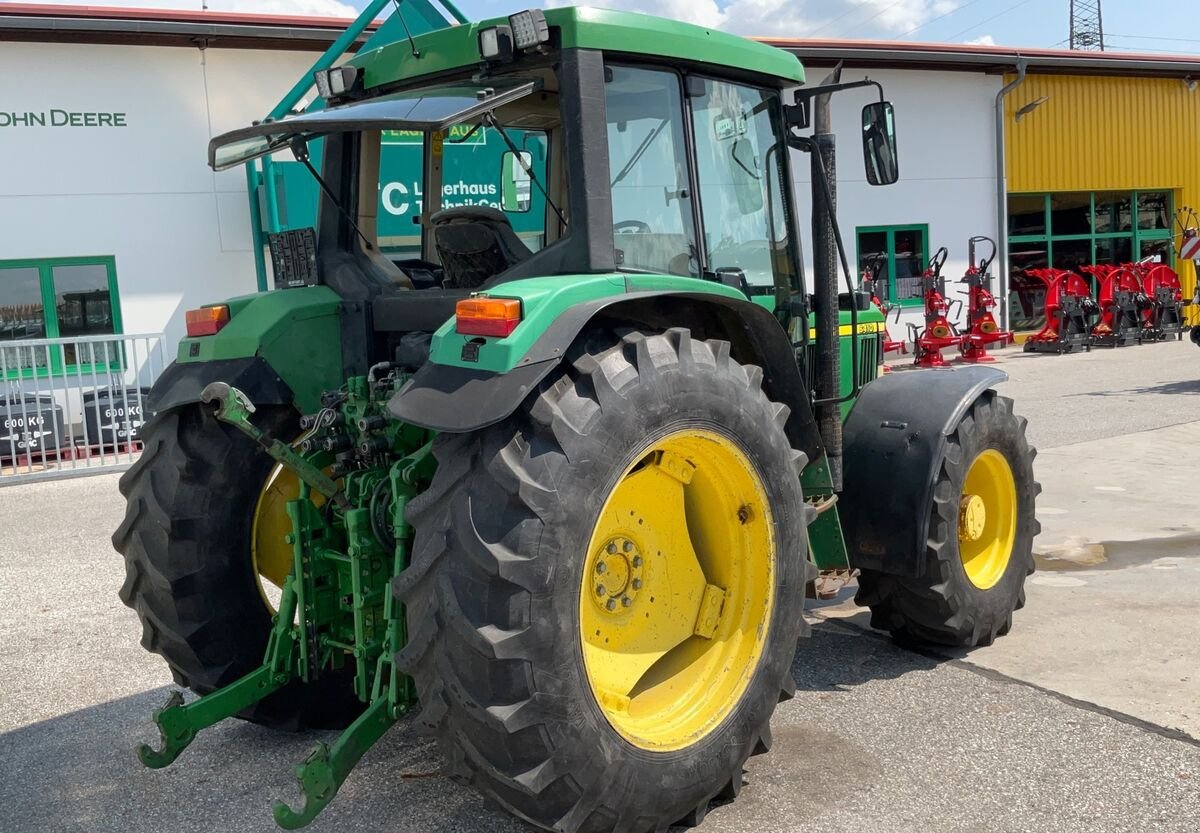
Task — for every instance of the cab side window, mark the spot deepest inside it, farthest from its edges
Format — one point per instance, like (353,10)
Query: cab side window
(742,185)
(652,211)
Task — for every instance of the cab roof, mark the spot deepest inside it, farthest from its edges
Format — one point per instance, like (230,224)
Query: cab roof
(621,32)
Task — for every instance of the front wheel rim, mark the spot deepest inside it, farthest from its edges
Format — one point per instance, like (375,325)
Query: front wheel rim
(677,590)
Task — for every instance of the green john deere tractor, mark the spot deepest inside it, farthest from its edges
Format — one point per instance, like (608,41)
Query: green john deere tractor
(562,491)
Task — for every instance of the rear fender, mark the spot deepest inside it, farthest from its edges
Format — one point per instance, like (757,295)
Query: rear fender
(457,399)
(281,347)
(894,441)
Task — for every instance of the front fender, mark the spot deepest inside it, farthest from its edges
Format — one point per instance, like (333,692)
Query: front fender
(894,440)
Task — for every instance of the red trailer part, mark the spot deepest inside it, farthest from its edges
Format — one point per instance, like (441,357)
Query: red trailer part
(982,328)
(939,333)
(1070,311)
(1122,303)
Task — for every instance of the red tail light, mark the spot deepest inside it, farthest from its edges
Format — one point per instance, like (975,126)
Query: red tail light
(206,321)
(487,316)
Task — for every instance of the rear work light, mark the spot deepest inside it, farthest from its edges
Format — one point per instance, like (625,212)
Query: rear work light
(487,316)
(206,321)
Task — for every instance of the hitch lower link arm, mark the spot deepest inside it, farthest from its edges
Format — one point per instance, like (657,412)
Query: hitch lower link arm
(235,408)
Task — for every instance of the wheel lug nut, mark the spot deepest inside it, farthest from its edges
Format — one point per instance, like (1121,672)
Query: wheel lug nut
(629,546)
(611,548)
(611,604)
(637,584)
(601,590)
(637,561)
(625,600)
(601,568)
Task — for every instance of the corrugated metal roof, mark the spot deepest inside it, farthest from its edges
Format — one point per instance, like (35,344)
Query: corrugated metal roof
(168,27)
(105,24)
(978,58)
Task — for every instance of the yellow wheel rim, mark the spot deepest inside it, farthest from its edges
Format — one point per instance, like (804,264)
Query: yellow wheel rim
(987,519)
(270,552)
(678,589)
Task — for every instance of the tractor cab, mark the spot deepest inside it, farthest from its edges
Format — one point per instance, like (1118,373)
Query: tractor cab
(579,161)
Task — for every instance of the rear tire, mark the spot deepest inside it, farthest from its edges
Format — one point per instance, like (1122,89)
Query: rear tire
(501,566)
(944,605)
(188,570)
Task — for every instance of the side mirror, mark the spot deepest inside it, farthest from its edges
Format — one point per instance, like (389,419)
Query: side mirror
(515,185)
(879,143)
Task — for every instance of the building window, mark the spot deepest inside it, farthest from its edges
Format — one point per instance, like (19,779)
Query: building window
(905,252)
(1068,230)
(52,298)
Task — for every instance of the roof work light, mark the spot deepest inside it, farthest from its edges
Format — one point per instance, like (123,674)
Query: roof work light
(337,81)
(525,30)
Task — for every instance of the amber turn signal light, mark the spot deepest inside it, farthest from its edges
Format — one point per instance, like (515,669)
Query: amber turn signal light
(487,316)
(206,321)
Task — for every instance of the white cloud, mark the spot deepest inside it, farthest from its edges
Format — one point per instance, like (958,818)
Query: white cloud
(982,40)
(316,8)
(795,18)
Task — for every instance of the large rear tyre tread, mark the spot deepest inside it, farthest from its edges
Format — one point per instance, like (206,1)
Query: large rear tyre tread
(190,500)
(942,606)
(492,593)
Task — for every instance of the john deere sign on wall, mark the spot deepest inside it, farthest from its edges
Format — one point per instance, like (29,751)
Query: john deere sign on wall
(62,118)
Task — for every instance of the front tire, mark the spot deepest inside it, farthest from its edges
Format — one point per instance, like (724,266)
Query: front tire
(511,615)
(980,544)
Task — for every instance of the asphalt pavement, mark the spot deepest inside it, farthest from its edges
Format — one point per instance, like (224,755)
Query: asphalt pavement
(1085,718)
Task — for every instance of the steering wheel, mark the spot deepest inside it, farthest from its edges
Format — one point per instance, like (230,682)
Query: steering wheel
(938,260)
(631,227)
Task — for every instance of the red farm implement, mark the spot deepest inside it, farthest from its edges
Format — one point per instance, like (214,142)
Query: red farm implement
(1070,311)
(982,328)
(1163,316)
(938,334)
(1123,304)
(870,282)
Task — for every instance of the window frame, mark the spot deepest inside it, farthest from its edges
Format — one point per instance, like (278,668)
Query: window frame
(1135,234)
(45,266)
(890,231)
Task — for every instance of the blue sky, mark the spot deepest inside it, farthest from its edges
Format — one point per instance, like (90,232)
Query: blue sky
(1130,25)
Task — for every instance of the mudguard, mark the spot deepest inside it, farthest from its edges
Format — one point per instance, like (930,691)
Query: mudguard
(181,384)
(458,400)
(894,440)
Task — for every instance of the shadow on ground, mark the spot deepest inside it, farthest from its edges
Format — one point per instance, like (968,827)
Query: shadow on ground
(78,772)
(1186,386)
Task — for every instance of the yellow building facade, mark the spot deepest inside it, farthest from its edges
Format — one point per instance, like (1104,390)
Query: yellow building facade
(1110,160)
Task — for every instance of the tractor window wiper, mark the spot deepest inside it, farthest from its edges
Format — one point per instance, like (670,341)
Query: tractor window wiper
(639,152)
(491,120)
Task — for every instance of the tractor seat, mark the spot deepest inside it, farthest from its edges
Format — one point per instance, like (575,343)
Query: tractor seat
(475,243)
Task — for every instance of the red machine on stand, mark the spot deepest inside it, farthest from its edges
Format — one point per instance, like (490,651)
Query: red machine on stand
(1122,304)
(1070,311)
(870,282)
(982,328)
(939,333)
(1163,319)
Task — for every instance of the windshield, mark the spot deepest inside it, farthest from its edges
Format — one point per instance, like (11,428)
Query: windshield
(425,108)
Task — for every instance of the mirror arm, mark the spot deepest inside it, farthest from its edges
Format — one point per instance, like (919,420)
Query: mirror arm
(798,114)
(807,145)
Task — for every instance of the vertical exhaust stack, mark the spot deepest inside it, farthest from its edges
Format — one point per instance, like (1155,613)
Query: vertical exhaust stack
(825,291)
